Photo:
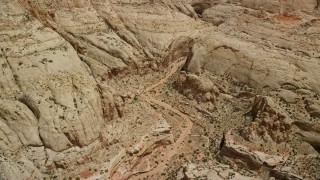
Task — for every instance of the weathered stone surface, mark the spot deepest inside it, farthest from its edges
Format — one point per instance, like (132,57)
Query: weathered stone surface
(314,109)
(197,87)
(222,55)
(270,123)
(298,167)
(23,168)
(254,159)
(74,75)
(288,96)
(53,101)
(192,171)
(312,139)
(291,53)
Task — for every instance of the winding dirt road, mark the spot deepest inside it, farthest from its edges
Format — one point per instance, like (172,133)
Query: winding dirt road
(171,149)
(174,69)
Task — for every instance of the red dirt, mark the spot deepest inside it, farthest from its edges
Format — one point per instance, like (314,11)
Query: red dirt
(86,174)
(287,18)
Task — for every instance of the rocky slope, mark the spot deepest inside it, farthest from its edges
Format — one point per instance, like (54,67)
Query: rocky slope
(107,89)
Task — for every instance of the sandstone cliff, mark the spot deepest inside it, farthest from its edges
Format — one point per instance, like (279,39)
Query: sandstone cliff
(92,89)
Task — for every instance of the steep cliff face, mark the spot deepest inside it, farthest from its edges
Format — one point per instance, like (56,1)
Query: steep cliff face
(48,97)
(95,84)
(101,30)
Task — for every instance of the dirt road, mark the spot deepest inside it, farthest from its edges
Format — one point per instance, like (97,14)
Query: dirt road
(171,149)
(174,69)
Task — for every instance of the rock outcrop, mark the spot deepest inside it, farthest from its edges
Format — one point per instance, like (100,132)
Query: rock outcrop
(270,122)
(249,154)
(199,88)
(192,171)
(76,77)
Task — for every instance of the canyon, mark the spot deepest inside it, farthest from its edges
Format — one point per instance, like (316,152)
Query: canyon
(159,89)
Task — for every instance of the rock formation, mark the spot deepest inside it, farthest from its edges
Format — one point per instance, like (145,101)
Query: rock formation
(92,89)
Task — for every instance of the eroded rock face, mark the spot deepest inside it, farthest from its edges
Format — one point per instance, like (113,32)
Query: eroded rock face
(223,55)
(270,127)
(74,75)
(195,87)
(48,96)
(112,32)
(249,61)
(238,149)
(301,167)
(192,171)
(270,122)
